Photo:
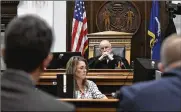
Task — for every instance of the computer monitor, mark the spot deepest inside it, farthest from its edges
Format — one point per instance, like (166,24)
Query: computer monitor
(60,59)
(65,85)
(144,69)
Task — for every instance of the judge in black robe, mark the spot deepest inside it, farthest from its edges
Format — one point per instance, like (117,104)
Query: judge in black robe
(117,62)
(107,60)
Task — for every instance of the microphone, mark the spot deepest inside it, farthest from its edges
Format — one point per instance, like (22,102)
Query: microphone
(116,94)
(122,63)
(64,83)
(60,56)
(132,64)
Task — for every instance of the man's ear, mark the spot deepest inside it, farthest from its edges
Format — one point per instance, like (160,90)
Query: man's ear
(2,52)
(161,67)
(110,49)
(100,51)
(47,60)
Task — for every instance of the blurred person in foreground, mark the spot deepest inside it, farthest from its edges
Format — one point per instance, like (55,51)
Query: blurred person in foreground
(28,40)
(158,95)
(84,89)
(107,59)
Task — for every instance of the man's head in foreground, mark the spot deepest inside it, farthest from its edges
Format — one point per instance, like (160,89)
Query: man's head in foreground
(171,53)
(28,40)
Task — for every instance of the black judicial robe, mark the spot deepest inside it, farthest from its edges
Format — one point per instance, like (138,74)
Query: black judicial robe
(95,63)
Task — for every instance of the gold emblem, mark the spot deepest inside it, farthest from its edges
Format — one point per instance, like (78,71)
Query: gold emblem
(122,16)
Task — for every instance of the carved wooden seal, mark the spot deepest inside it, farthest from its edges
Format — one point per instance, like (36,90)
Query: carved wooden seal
(122,16)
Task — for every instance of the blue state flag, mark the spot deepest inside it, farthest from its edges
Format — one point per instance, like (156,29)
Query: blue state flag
(154,31)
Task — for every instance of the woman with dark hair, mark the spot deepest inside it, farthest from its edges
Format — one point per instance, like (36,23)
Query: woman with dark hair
(84,89)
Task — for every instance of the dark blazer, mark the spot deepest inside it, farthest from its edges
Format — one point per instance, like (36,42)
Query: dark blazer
(18,93)
(95,63)
(157,95)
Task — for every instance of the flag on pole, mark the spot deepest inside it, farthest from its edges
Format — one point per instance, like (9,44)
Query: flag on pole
(79,41)
(154,31)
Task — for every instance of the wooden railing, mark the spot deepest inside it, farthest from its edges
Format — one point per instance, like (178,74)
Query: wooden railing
(101,77)
(108,81)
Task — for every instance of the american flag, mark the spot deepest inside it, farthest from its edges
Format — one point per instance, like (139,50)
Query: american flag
(79,29)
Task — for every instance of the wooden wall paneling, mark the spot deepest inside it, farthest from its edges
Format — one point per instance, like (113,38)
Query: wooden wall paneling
(148,6)
(140,41)
(164,17)
(69,15)
(95,9)
(8,11)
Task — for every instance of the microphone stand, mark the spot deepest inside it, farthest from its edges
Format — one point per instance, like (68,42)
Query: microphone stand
(117,94)
(123,63)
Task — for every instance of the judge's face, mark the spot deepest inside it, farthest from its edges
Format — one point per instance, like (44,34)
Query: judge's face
(81,70)
(105,46)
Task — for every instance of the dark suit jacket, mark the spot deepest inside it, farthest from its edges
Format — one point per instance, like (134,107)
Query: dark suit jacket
(18,93)
(95,63)
(157,95)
